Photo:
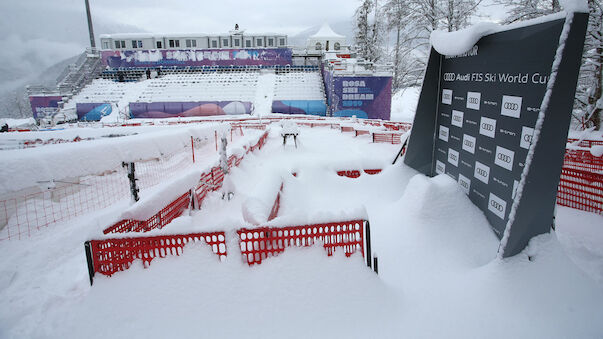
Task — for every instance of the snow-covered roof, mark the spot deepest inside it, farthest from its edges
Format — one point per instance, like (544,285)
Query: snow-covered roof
(179,35)
(326,32)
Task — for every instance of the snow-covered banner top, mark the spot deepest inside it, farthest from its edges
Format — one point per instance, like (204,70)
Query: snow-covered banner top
(208,57)
(495,118)
(43,106)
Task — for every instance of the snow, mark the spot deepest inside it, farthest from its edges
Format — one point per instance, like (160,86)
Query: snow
(462,41)
(404,104)
(439,275)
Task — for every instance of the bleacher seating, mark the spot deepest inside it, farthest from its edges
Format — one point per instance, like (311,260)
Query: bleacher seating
(297,85)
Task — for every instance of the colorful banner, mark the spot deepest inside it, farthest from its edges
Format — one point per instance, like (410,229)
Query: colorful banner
(210,57)
(43,106)
(188,109)
(312,107)
(92,111)
(365,97)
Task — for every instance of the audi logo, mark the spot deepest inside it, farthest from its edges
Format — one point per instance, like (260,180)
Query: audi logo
(448,76)
(527,138)
(473,100)
(504,157)
(457,118)
(453,156)
(487,127)
(511,105)
(468,143)
(481,172)
(464,184)
(496,205)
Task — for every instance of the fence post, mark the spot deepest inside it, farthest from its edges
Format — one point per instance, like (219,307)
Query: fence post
(367,240)
(132,176)
(193,148)
(88,250)
(376,265)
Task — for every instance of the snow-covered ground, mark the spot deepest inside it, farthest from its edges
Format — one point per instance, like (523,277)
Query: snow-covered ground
(404,104)
(438,272)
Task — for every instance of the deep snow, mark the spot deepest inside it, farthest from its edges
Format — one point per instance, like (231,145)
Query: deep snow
(439,275)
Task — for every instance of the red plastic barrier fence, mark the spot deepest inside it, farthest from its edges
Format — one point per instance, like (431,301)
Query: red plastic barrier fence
(581,189)
(277,204)
(347,129)
(582,159)
(159,220)
(355,173)
(390,138)
(260,243)
(349,174)
(362,132)
(113,255)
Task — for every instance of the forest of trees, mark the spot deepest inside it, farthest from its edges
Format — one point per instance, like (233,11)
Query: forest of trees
(410,23)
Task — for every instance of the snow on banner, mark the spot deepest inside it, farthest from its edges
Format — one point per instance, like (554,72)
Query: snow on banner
(505,110)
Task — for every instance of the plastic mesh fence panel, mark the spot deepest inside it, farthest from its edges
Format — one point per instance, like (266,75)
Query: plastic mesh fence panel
(159,220)
(581,190)
(113,255)
(260,243)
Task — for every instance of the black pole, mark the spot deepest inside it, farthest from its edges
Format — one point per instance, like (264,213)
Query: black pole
(90,30)
(402,150)
(88,250)
(376,265)
(132,177)
(367,239)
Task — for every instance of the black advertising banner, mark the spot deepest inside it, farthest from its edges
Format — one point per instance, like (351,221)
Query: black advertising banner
(482,126)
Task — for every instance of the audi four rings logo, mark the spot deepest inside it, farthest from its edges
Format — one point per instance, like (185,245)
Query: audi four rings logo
(473,100)
(503,157)
(468,143)
(511,105)
(481,171)
(448,76)
(457,118)
(527,138)
(496,205)
(453,156)
(464,184)
(487,126)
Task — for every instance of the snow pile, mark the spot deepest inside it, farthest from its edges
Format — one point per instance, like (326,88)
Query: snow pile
(298,86)
(24,168)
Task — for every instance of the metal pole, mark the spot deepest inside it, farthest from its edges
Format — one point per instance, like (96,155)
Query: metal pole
(90,29)
(367,239)
(88,250)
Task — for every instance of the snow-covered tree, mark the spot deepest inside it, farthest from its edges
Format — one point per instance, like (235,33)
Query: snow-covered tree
(456,13)
(519,10)
(369,37)
(589,100)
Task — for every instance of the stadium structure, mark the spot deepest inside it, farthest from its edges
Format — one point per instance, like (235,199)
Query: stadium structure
(144,75)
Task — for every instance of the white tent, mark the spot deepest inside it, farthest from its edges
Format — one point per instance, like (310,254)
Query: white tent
(326,40)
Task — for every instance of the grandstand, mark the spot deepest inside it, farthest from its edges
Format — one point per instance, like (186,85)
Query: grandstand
(217,81)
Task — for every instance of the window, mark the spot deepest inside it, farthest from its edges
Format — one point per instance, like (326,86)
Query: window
(191,43)
(270,42)
(174,43)
(318,46)
(258,42)
(337,46)
(214,44)
(248,43)
(281,42)
(136,44)
(159,44)
(120,44)
(224,42)
(105,45)
(236,42)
